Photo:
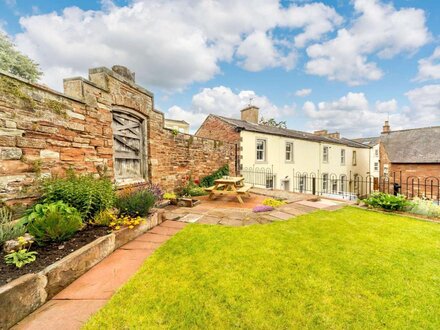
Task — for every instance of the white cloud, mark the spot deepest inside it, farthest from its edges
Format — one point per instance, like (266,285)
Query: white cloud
(353,116)
(223,101)
(303,92)
(379,29)
(425,105)
(386,106)
(171,44)
(429,68)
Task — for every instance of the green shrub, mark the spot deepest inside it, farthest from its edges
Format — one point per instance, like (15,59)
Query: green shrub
(103,218)
(424,207)
(137,203)
(55,222)
(273,202)
(87,194)
(197,191)
(387,202)
(20,258)
(208,181)
(8,229)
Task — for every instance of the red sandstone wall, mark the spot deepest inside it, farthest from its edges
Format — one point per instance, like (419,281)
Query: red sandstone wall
(217,129)
(43,133)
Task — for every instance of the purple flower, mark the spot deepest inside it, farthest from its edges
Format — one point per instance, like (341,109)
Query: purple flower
(262,208)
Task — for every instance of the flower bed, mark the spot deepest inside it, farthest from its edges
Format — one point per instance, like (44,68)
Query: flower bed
(23,295)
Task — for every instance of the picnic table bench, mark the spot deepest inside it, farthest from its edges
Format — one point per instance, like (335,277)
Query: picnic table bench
(233,186)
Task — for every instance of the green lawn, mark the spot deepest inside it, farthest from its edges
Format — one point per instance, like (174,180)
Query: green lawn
(350,269)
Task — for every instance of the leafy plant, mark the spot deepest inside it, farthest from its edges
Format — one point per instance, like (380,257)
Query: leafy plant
(387,202)
(103,218)
(169,196)
(208,181)
(262,208)
(156,190)
(424,207)
(197,191)
(14,62)
(137,203)
(126,221)
(273,202)
(55,222)
(9,229)
(20,258)
(87,194)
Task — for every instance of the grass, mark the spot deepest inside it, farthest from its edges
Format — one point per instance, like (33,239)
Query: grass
(350,268)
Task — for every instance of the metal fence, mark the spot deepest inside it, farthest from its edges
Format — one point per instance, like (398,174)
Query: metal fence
(259,176)
(350,186)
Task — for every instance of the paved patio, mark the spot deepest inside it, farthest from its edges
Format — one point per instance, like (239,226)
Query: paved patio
(227,211)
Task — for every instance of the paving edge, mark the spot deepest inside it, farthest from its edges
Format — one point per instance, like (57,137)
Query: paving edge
(22,296)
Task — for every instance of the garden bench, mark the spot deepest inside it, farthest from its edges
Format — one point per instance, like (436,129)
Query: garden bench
(229,186)
(244,190)
(209,189)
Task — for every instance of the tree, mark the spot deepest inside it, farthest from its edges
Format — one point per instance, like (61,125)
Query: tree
(16,63)
(272,122)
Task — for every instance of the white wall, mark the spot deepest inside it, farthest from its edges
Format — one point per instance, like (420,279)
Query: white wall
(374,158)
(307,157)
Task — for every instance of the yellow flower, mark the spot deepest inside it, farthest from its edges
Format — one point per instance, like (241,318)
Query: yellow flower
(131,227)
(118,227)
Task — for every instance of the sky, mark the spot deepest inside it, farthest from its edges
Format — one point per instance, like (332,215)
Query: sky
(339,65)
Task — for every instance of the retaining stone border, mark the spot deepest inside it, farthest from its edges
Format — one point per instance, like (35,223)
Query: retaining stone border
(25,294)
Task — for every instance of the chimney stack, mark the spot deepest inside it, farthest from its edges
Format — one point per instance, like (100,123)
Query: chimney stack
(250,114)
(322,132)
(386,128)
(335,135)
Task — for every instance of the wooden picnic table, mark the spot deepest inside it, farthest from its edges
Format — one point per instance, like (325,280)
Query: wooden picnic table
(229,186)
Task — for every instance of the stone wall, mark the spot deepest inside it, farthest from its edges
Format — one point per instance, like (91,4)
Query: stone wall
(43,133)
(215,128)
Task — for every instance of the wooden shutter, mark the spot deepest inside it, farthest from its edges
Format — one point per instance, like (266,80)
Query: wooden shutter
(128,137)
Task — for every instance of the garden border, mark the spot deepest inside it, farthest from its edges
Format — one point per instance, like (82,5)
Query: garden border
(25,294)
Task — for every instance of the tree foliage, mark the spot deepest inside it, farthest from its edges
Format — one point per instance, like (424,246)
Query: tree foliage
(14,62)
(272,122)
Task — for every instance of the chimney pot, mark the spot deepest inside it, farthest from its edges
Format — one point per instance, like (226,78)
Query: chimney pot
(250,114)
(322,132)
(386,127)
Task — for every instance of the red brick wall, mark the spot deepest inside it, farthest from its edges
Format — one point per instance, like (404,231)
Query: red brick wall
(43,133)
(216,128)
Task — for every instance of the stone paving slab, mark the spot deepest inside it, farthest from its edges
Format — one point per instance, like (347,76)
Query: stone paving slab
(105,278)
(281,215)
(148,237)
(291,210)
(316,205)
(164,230)
(144,245)
(231,222)
(191,218)
(208,220)
(55,313)
(173,224)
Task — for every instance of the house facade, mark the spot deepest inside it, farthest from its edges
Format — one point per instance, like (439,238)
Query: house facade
(291,160)
(177,125)
(374,157)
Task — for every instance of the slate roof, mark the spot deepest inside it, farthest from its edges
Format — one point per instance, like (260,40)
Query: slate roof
(369,141)
(251,127)
(419,145)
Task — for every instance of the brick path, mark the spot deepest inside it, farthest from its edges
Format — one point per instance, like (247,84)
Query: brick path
(70,308)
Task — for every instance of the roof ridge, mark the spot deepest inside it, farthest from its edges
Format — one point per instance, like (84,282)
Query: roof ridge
(413,129)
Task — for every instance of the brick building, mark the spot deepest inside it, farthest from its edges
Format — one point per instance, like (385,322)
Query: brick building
(106,123)
(410,153)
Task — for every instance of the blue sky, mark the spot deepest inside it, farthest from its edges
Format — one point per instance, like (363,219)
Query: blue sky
(356,62)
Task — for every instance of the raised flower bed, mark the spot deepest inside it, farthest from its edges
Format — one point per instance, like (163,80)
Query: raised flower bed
(36,285)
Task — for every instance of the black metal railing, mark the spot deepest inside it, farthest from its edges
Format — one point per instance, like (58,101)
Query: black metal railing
(347,186)
(262,177)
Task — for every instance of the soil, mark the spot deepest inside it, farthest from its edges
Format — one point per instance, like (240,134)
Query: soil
(50,253)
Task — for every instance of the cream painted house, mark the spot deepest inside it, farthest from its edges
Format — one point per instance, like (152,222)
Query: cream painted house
(178,125)
(373,143)
(278,158)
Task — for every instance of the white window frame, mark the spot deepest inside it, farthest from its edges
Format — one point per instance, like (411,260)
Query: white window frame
(342,183)
(376,152)
(342,156)
(264,151)
(354,159)
(290,153)
(376,166)
(325,182)
(325,154)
